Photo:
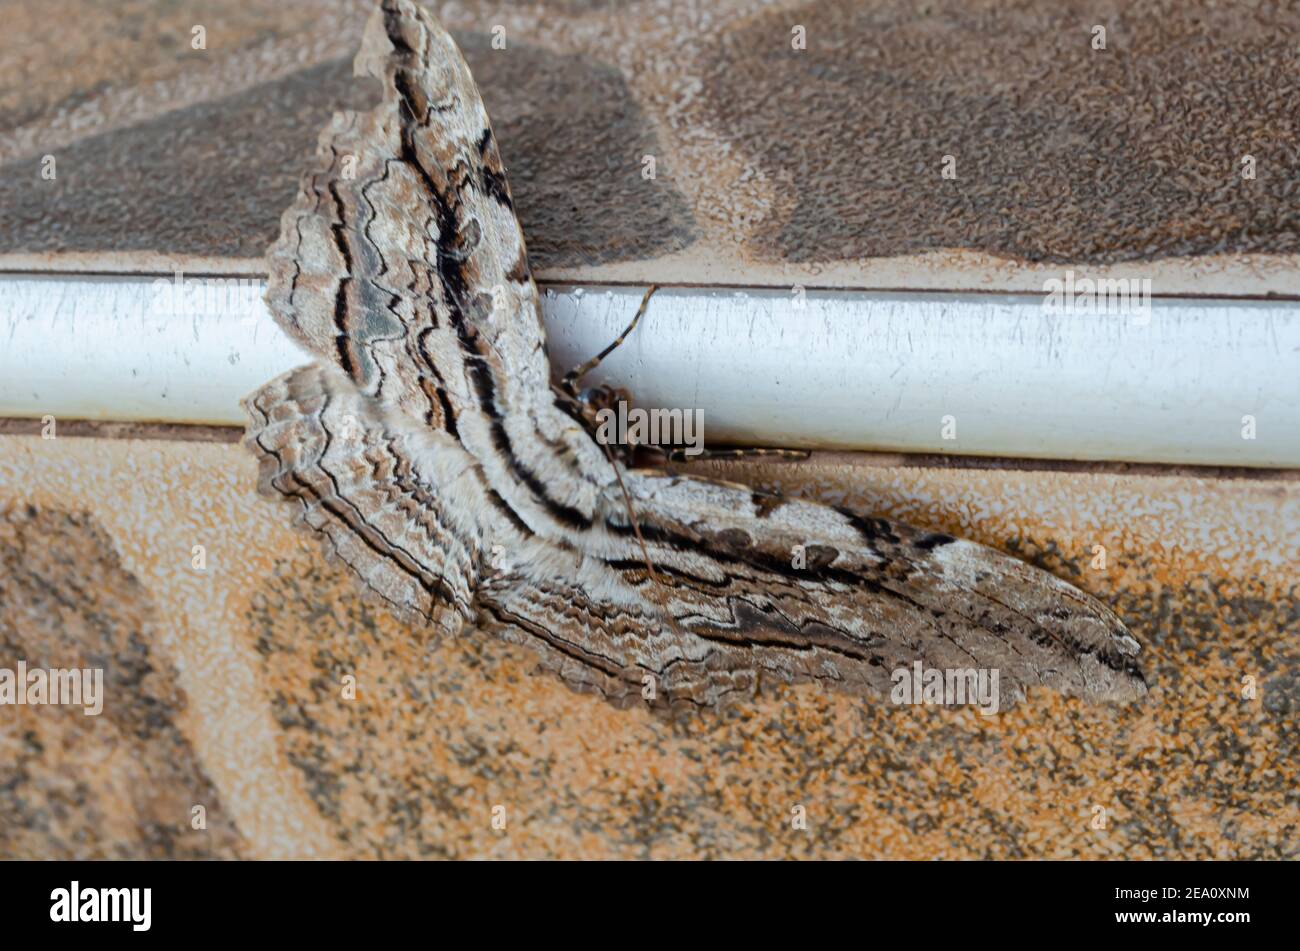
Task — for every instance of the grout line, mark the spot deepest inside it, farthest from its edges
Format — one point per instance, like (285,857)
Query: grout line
(113,429)
(596,286)
(180,432)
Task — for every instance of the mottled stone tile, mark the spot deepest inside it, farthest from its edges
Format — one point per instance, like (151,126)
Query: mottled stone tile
(439,736)
(120,784)
(205,180)
(774,165)
(212,179)
(60,55)
(1062,152)
(573,147)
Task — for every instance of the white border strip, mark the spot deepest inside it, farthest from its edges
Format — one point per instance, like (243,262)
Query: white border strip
(846,370)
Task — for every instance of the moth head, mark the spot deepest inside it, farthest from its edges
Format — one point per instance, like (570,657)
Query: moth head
(600,408)
(603,396)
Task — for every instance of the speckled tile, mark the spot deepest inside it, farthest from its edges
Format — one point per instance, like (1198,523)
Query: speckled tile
(119,784)
(439,734)
(820,166)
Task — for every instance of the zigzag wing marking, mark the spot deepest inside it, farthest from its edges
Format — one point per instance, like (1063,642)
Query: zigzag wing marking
(393,502)
(868,596)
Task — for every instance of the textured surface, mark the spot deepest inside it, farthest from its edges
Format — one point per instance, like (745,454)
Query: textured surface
(439,734)
(1062,152)
(773,165)
(210,179)
(120,784)
(250,652)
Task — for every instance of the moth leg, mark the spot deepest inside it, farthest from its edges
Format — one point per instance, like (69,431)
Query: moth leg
(570,381)
(679,455)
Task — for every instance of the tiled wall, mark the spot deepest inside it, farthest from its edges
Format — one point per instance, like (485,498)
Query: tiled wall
(224,689)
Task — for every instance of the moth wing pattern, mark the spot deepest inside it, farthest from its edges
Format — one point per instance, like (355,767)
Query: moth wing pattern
(387,498)
(428,438)
(753,588)
(401,268)
(401,260)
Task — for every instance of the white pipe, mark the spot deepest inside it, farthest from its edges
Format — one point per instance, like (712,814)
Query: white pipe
(829,369)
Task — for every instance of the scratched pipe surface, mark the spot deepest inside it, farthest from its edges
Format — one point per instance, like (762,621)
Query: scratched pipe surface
(849,370)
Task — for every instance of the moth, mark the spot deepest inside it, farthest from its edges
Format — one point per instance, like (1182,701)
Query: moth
(433,452)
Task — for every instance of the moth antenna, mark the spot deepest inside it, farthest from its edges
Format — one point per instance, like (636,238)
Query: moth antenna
(570,381)
(631,513)
(636,529)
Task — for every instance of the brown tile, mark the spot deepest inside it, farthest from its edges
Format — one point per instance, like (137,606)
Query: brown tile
(211,179)
(573,145)
(1063,153)
(98,47)
(205,180)
(819,166)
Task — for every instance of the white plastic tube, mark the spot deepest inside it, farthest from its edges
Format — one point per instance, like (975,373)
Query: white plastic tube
(1213,382)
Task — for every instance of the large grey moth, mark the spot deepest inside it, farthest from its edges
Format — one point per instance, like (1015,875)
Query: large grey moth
(430,447)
